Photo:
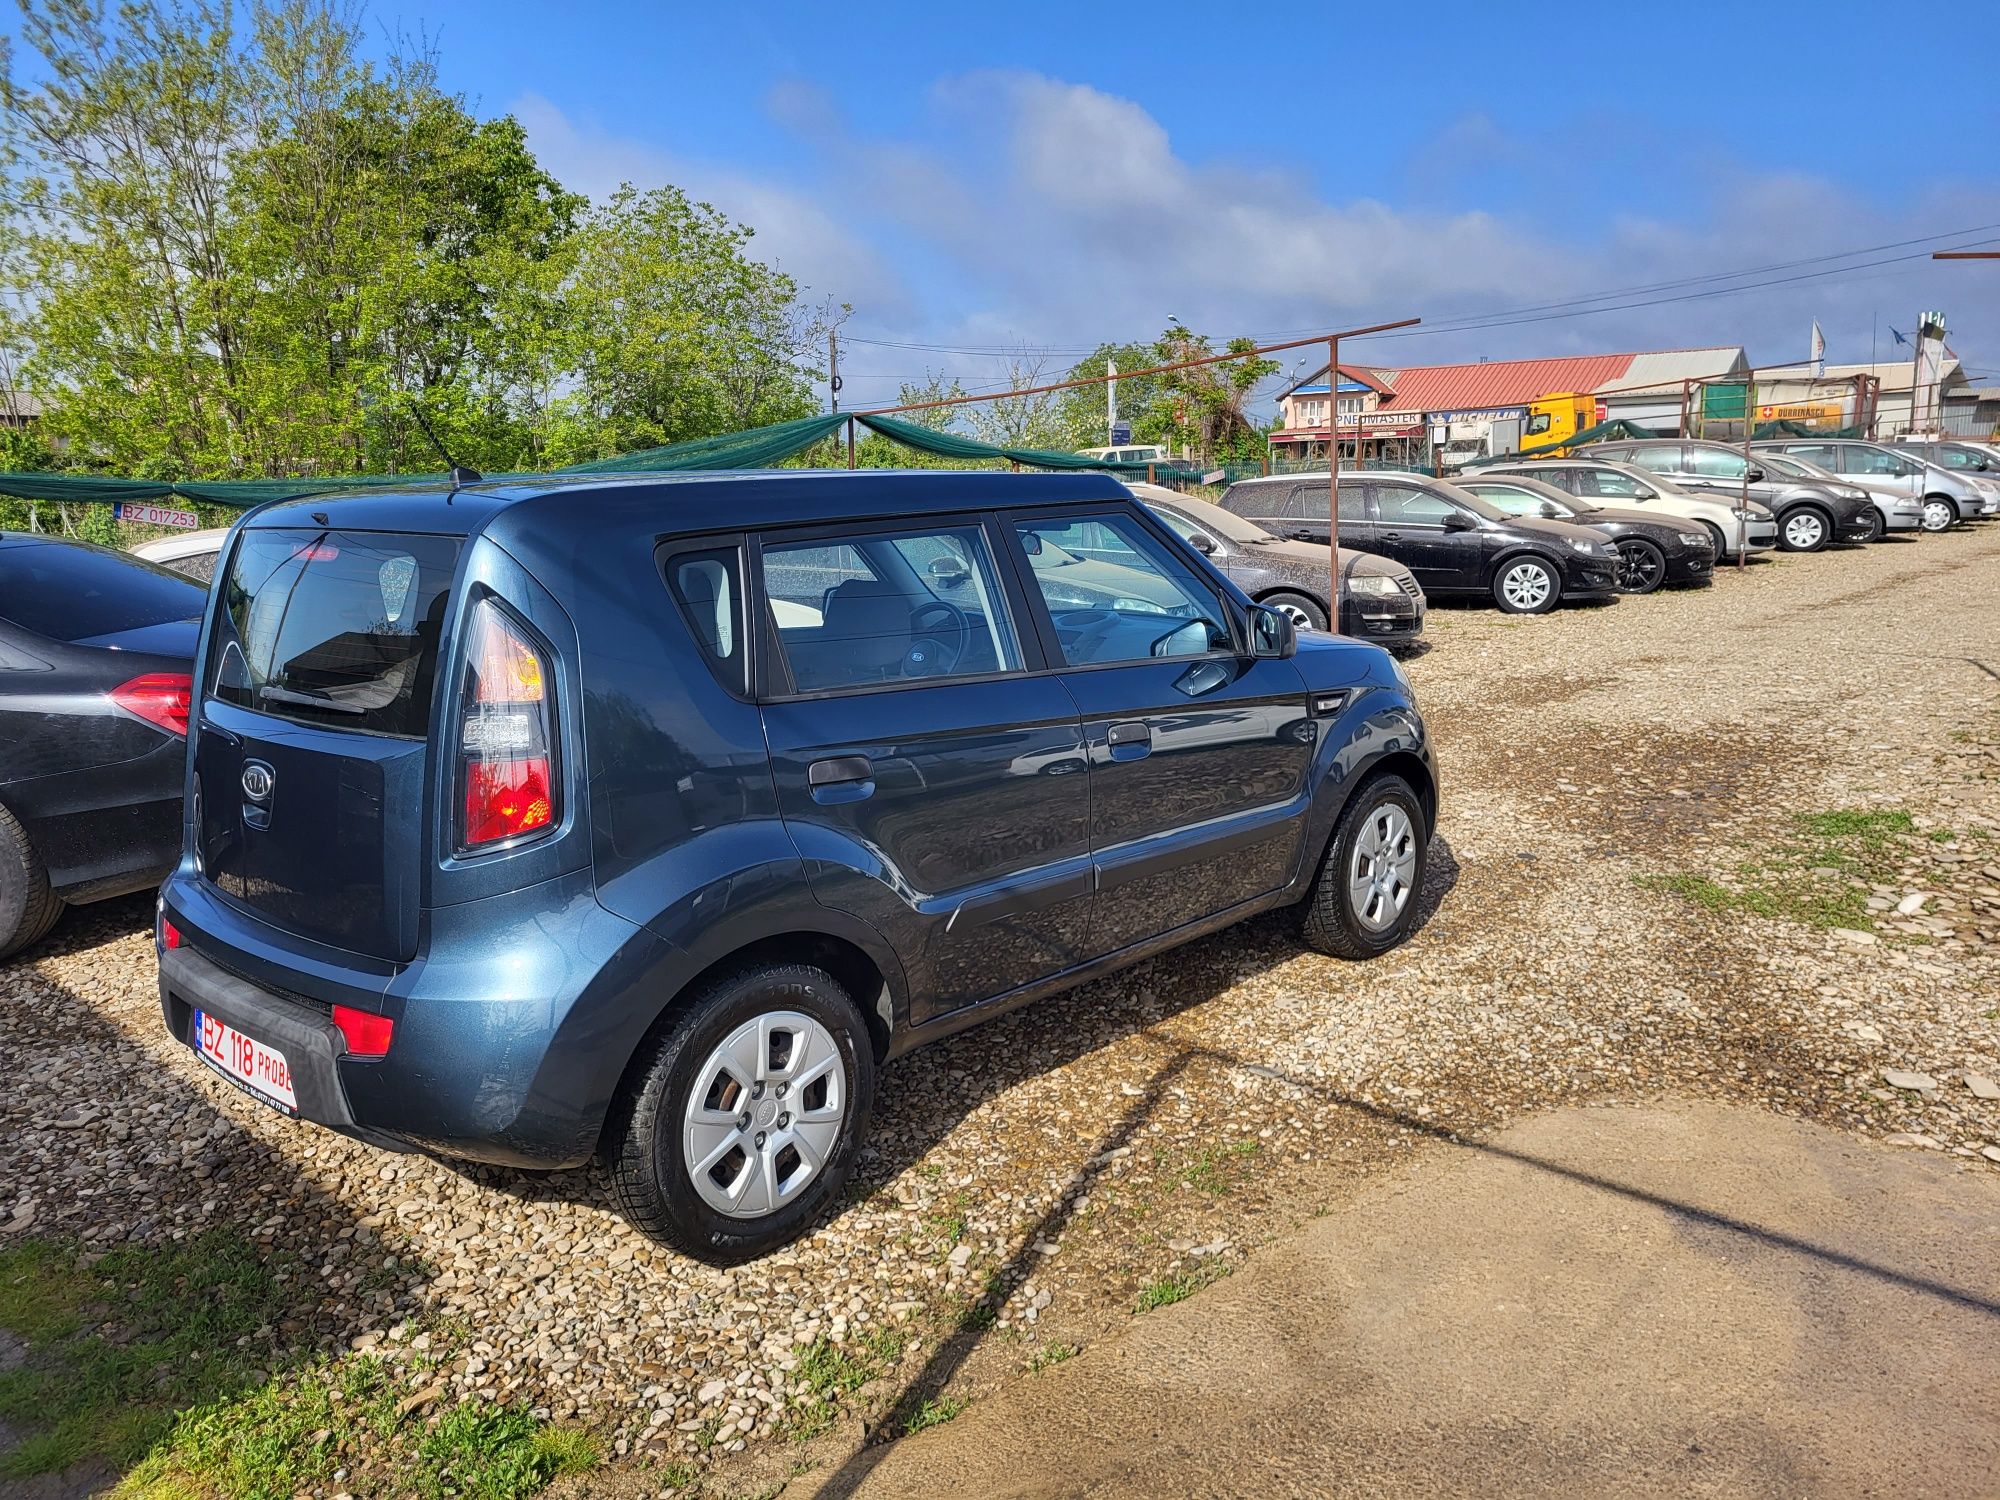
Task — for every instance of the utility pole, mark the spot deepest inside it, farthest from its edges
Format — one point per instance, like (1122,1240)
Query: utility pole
(1111,402)
(1743,507)
(1333,482)
(833,367)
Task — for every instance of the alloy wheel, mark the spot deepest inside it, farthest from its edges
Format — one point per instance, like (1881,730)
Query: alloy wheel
(1297,616)
(1640,567)
(1380,877)
(1527,586)
(764,1114)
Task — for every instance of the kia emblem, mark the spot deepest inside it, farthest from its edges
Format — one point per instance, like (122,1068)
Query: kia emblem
(258,779)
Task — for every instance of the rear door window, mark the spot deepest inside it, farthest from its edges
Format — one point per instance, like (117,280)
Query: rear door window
(71,591)
(1656,460)
(1403,505)
(337,628)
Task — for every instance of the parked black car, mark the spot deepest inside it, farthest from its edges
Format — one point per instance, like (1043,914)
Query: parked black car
(1651,551)
(652,816)
(1454,542)
(95,654)
(1382,600)
(1810,515)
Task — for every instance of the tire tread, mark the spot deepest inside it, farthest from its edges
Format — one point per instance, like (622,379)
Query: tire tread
(40,905)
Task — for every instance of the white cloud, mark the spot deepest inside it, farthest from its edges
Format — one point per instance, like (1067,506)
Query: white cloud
(1026,209)
(793,231)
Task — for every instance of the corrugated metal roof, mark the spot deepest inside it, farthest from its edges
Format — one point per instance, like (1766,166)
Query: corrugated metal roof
(1510,382)
(1893,373)
(1664,370)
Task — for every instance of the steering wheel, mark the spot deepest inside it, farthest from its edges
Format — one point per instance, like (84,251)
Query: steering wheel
(915,661)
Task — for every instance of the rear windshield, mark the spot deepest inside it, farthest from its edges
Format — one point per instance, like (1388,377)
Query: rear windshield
(339,628)
(72,591)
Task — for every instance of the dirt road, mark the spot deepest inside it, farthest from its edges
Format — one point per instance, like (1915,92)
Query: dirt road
(1692,1301)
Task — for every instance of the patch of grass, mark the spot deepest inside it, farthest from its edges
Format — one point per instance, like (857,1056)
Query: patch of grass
(828,1372)
(1178,1288)
(1780,883)
(935,1412)
(118,1343)
(1205,1173)
(479,1451)
(1050,1355)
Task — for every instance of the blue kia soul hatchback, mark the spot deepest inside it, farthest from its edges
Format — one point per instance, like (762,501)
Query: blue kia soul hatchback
(647,817)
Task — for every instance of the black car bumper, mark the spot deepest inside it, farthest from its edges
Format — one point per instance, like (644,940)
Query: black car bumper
(1589,579)
(1691,567)
(1376,618)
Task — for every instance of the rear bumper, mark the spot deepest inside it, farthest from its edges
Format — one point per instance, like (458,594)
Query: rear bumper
(311,1043)
(511,1030)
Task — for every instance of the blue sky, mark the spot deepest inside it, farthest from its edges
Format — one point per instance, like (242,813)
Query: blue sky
(1039,176)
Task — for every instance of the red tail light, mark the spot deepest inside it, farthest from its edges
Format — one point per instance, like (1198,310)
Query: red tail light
(170,935)
(505,732)
(162,699)
(506,797)
(367,1034)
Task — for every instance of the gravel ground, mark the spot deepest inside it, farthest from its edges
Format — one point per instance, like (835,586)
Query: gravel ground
(1628,900)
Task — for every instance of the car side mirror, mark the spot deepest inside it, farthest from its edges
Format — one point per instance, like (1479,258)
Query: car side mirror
(1272,634)
(1202,543)
(1458,521)
(949,569)
(1756,475)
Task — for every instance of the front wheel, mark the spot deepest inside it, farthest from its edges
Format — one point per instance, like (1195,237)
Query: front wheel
(1939,514)
(741,1119)
(1526,586)
(1804,530)
(1304,612)
(1642,566)
(1877,527)
(1364,899)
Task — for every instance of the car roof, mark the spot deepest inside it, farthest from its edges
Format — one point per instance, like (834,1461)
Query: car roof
(687,502)
(1510,477)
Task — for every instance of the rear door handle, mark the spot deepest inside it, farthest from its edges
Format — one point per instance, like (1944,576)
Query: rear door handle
(843,778)
(1130,739)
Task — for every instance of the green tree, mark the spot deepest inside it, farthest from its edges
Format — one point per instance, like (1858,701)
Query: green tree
(672,330)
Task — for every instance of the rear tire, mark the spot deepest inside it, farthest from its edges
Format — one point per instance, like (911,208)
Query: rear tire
(1364,900)
(1642,566)
(1527,585)
(1303,611)
(28,906)
(742,1041)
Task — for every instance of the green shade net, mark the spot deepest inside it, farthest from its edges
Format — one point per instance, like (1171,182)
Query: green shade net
(1617,427)
(758,448)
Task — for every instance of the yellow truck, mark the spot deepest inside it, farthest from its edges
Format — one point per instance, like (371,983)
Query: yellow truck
(1556,418)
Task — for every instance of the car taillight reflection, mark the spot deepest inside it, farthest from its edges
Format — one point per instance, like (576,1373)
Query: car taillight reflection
(162,699)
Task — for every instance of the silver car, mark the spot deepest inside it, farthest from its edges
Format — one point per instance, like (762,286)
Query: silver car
(1975,460)
(1896,510)
(1622,484)
(1947,496)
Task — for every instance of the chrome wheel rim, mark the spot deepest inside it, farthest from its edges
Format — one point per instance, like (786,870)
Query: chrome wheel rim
(1804,531)
(1382,874)
(764,1115)
(1527,586)
(1639,568)
(1297,616)
(1937,515)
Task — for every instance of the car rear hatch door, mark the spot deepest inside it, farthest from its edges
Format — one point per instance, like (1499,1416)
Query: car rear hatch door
(312,750)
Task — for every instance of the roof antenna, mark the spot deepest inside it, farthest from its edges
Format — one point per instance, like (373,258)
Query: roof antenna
(461,475)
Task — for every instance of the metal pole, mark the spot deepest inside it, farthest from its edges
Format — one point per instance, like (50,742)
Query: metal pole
(1749,427)
(1111,401)
(850,442)
(833,367)
(1333,482)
